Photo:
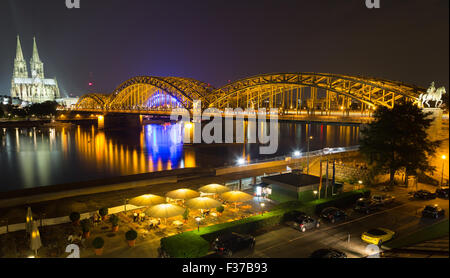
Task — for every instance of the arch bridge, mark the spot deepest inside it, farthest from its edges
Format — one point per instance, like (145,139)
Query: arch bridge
(312,91)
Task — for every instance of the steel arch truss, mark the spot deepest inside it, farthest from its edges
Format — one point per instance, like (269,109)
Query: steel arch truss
(370,91)
(92,101)
(136,92)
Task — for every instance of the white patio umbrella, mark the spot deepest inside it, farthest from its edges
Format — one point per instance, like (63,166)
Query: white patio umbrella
(203,203)
(236,196)
(147,200)
(29,221)
(35,242)
(183,193)
(214,188)
(165,211)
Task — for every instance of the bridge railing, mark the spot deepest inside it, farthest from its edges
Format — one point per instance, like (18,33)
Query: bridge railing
(316,153)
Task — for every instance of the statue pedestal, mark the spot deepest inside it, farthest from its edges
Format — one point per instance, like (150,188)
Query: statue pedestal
(436,125)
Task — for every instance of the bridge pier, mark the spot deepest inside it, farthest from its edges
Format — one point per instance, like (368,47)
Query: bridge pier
(119,121)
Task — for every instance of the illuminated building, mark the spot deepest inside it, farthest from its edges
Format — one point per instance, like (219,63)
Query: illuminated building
(37,88)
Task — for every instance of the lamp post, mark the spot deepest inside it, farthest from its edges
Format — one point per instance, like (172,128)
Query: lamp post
(360,183)
(198,219)
(444,157)
(315,193)
(307,157)
(262,208)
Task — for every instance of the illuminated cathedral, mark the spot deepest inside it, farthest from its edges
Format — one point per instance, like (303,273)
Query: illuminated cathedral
(34,89)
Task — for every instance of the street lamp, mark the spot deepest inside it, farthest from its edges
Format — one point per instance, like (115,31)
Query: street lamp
(241,161)
(307,157)
(315,193)
(262,208)
(444,157)
(360,183)
(198,219)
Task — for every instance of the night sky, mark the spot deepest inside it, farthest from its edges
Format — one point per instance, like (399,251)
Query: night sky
(109,41)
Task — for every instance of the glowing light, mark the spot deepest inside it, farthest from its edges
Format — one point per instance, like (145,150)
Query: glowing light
(188,125)
(444,157)
(297,153)
(241,161)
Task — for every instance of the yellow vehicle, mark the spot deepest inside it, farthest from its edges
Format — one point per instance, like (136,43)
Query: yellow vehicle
(377,236)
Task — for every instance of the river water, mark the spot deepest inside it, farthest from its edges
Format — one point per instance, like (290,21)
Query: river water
(33,157)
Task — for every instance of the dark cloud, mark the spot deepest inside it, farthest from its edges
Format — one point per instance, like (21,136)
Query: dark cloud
(215,41)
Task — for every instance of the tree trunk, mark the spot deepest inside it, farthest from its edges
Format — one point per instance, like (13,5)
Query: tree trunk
(391,177)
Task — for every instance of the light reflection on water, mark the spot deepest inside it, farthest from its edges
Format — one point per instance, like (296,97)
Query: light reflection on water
(31,157)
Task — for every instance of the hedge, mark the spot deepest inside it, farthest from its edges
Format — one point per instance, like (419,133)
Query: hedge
(194,244)
(341,200)
(185,245)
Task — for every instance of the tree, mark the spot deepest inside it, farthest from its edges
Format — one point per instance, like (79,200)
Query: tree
(186,215)
(397,140)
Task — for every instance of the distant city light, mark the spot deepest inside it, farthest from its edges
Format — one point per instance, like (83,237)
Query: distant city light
(241,161)
(297,153)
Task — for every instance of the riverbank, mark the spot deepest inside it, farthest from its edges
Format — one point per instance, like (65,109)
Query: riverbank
(4,123)
(114,192)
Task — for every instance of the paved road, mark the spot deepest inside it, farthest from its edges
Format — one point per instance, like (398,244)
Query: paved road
(402,217)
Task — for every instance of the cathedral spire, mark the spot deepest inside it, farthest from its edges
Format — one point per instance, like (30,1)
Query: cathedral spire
(37,67)
(19,53)
(35,56)
(20,66)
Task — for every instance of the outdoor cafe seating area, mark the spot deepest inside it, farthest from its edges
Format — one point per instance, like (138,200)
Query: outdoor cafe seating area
(152,217)
(168,216)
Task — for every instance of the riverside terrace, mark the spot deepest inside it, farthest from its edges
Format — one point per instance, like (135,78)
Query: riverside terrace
(106,196)
(113,229)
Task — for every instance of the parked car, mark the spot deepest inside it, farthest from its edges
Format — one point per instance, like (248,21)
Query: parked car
(442,192)
(383,199)
(304,222)
(230,243)
(328,253)
(424,195)
(377,236)
(433,211)
(292,215)
(333,214)
(366,205)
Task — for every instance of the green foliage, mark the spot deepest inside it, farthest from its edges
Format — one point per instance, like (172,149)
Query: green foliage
(114,219)
(186,214)
(342,200)
(220,209)
(85,225)
(195,243)
(42,109)
(103,211)
(74,216)
(131,235)
(434,231)
(397,139)
(98,243)
(185,245)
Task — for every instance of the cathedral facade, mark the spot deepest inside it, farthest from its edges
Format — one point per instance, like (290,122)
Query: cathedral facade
(35,88)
